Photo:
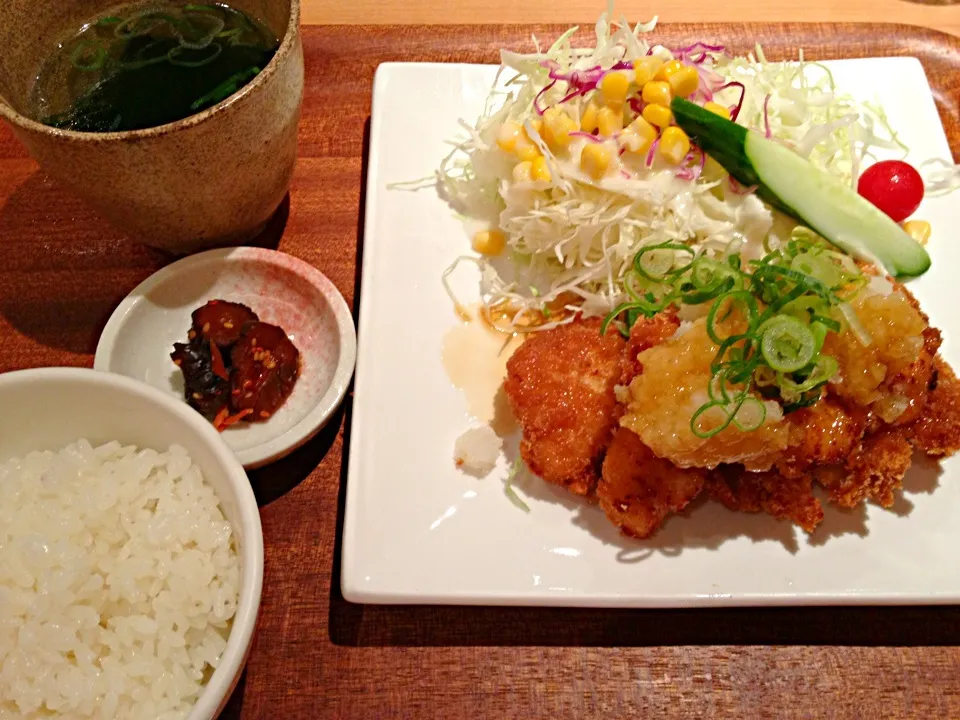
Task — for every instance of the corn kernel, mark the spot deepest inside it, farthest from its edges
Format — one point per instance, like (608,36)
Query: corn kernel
(712,170)
(557,126)
(609,121)
(539,170)
(508,135)
(523,172)
(595,159)
(513,137)
(919,230)
(668,69)
(658,115)
(717,109)
(684,82)
(489,242)
(645,68)
(588,120)
(657,91)
(613,87)
(527,151)
(674,145)
(638,136)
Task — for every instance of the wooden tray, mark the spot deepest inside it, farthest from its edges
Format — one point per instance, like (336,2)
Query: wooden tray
(62,271)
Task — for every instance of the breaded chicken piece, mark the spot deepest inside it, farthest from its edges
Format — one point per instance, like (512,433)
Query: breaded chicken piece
(560,384)
(875,467)
(645,334)
(937,431)
(825,433)
(875,471)
(784,498)
(638,489)
(672,387)
(891,397)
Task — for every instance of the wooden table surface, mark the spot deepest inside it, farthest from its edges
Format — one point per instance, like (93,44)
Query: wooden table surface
(62,271)
(938,14)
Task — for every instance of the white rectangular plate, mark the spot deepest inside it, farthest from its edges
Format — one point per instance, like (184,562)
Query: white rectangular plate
(419,531)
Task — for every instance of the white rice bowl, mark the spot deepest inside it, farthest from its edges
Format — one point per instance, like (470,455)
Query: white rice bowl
(119,577)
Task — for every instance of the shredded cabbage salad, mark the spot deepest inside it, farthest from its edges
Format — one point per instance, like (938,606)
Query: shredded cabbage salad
(570,239)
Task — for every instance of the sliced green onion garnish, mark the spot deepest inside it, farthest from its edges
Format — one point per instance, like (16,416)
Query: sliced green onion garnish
(822,373)
(725,305)
(143,57)
(827,323)
(695,425)
(821,266)
(640,306)
(698,297)
(767,276)
(508,486)
(639,288)
(230,35)
(225,89)
(733,351)
(657,262)
(212,51)
(706,273)
(144,23)
(750,414)
(88,56)
(753,419)
(786,343)
(780,310)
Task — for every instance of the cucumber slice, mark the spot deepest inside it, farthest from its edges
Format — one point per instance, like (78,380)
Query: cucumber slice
(791,184)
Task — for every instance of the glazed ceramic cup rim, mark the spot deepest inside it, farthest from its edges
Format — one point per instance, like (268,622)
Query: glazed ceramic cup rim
(290,37)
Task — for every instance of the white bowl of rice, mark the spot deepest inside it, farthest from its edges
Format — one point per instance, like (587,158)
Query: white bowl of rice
(131,553)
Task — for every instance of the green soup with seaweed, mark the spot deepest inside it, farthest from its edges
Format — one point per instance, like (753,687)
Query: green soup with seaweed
(150,64)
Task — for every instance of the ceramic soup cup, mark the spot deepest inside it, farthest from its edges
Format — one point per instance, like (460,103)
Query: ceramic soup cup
(210,180)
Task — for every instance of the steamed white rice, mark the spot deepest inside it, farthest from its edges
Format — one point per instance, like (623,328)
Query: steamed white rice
(119,578)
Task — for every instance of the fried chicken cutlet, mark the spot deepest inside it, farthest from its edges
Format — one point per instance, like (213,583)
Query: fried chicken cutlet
(937,431)
(770,492)
(668,392)
(888,399)
(638,490)
(560,384)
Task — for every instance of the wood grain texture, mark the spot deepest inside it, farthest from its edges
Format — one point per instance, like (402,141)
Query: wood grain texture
(62,271)
(937,14)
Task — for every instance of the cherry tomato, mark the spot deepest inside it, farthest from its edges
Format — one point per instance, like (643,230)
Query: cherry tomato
(894,187)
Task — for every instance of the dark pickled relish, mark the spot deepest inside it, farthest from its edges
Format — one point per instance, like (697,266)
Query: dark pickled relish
(235,367)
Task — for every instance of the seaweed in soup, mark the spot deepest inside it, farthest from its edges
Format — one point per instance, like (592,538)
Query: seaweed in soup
(150,65)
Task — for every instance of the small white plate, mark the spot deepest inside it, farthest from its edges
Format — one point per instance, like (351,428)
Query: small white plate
(282,290)
(418,531)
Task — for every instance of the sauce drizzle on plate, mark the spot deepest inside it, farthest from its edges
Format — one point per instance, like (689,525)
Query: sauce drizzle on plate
(475,358)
